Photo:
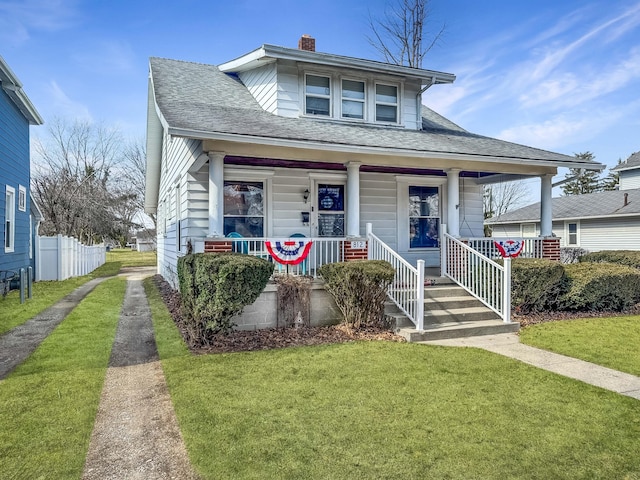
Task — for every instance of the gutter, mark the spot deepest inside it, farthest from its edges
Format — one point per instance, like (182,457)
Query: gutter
(419,102)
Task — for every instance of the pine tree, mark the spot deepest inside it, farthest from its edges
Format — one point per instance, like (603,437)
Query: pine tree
(585,181)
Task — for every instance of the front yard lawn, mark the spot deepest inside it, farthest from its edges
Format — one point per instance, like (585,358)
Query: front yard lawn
(611,342)
(391,410)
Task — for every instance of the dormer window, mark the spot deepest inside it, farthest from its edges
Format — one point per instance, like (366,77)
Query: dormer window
(353,99)
(386,103)
(317,95)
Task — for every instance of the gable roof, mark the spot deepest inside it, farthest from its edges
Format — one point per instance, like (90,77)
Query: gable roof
(573,207)
(200,101)
(632,162)
(13,88)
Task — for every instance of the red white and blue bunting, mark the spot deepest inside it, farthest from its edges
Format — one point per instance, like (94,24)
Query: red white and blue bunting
(288,252)
(509,248)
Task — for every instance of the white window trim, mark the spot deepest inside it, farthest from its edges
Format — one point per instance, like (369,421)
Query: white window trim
(330,97)
(566,233)
(10,216)
(365,109)
(22,198)
(397,104)
(256,175)
(178,217)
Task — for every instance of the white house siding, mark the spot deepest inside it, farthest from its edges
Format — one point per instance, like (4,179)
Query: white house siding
(288,90)
(378,206)
(262,83)
(471,209)
(610,234)
(630,179)
(409,105)
(182,153)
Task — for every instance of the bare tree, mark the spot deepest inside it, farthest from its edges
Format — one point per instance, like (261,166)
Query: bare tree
(499,198)
(76,181)
(135,173)
(402,36)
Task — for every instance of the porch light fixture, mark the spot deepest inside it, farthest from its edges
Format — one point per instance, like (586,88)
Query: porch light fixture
(305,195)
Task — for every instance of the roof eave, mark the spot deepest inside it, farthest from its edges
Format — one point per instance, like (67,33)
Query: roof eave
(367,150)
(270,53)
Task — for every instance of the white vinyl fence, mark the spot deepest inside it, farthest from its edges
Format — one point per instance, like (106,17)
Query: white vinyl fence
(59,258)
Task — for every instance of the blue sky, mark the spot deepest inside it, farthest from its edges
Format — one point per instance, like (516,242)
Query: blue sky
(563,76)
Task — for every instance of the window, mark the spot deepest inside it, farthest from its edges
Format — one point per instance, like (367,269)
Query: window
(317,95)
(9,219)
(244,208)
(424,217)
(330,210)
(572,234)
(353,99)
(386,103)
(22,198)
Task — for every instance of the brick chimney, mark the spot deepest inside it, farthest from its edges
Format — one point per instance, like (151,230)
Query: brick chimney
(307,42)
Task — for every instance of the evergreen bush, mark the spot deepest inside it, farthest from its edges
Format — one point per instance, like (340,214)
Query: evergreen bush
(601,287)
(359,289)
(214,287)
(537,284)
(621,257)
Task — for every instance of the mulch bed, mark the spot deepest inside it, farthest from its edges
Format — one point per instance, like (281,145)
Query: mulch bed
(242,341)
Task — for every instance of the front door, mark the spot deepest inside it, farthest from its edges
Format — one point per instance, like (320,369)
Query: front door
(329,209)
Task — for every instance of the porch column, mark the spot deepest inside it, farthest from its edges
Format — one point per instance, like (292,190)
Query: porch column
(453,202)
(353,199)
(216,194)
(546,215)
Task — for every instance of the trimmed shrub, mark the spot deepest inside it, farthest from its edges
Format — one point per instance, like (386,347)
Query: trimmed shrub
(214,287)
(621,257)
(601,287)
(359,289)
(536,284)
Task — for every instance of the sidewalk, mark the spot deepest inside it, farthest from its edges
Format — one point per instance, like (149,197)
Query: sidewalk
(508,344)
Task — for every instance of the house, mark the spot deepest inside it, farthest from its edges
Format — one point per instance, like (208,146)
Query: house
(284,142)
(18,213)
(596,221)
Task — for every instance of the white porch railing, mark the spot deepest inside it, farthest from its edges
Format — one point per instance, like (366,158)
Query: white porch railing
(407,289)
(323,250)
(487,247)
(483,278)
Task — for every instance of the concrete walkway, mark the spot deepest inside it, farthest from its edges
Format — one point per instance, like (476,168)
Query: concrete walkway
(508,344)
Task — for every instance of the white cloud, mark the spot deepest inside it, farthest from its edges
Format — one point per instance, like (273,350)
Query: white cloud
(65,106)
(19,18)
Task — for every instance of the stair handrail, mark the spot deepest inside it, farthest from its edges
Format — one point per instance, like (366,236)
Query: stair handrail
(407,288)
(482,277)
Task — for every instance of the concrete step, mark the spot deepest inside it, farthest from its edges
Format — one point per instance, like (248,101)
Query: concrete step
(444,290)
(458,330)
(465,314)
(448,303)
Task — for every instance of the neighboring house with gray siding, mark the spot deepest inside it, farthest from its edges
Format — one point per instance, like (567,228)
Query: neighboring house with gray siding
(597,221)
(285,141)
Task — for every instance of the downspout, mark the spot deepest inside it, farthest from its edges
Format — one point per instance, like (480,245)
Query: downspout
(419,102)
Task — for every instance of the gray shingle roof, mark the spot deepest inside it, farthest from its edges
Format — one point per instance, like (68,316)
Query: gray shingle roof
(204,101)
(601,204)
(632,161)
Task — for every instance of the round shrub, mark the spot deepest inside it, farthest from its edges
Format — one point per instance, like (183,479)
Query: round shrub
(537,284)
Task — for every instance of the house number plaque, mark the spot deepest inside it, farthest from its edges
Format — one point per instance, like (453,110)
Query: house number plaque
(358,245)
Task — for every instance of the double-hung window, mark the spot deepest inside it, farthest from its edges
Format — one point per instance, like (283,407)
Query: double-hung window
(9,219)
(244,208)
(572,234)
(317,90)
(386,103)
(353,99)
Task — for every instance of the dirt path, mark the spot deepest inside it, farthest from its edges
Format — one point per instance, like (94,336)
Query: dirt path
(136,434)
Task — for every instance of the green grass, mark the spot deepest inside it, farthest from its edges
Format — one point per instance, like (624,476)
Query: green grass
(132,258)
(611,342)
(49,402)
(391,410)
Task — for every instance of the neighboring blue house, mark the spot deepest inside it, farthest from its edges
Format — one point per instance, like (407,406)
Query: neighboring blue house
(18,214)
